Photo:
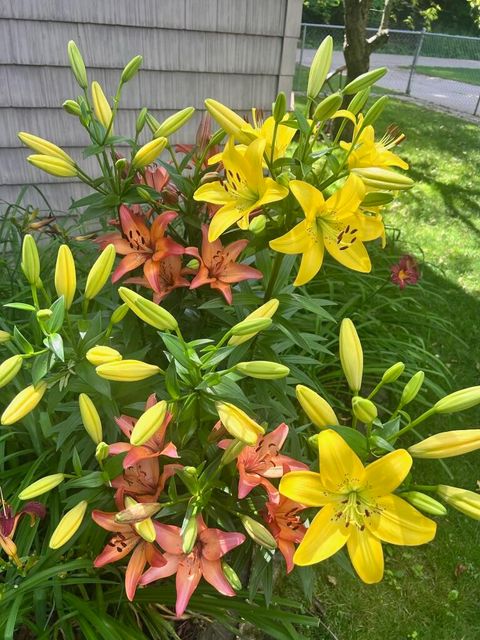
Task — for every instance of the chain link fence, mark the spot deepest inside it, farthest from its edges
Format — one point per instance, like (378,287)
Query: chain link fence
(438,68)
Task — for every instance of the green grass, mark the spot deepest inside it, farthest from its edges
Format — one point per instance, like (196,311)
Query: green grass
(430,592)
(460,74)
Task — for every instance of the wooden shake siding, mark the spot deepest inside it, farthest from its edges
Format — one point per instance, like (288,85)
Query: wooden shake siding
(241,52)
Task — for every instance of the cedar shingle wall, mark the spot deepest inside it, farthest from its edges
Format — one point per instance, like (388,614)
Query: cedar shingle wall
(239,51)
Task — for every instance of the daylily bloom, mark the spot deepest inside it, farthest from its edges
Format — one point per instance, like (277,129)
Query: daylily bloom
(258,463)
(143,480)
(203,560)
(358,507)
(285,524)
(9,521)
(243,190)
(368,153)
(142,245)
(152,448)
(155,177)
(405,271)
(335,224)
(218,267)
(169,276)
(127,539)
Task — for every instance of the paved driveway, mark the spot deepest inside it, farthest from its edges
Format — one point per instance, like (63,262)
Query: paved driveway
(458,96)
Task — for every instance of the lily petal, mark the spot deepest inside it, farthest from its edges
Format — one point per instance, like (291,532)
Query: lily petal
(188,577)
(306,487)
(325,536)
(398,522)
(387,473)
(212,572)
(340,468)
(366,554)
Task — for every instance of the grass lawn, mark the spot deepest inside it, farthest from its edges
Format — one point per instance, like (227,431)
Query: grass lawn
(461,74)
(431,592)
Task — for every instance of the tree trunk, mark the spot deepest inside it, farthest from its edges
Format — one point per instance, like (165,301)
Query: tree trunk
(356,47)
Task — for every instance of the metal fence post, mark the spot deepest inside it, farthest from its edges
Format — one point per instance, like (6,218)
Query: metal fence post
(414,61)
(304,35)
(476,106)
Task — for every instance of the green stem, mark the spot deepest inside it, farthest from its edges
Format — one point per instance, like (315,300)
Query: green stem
(277,263)
(414,423)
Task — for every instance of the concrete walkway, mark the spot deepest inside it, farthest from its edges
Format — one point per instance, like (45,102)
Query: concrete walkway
(460,97)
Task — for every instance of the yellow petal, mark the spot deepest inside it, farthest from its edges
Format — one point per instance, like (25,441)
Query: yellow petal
(340,468)
(398,522)
(294,241)
(211,192)
(345,201)
(324,537)
(272,192)
(224,218)
(387,473)
(311,200)
(238,423)
(354,256)
(366,554)
(306,488)
(310,265)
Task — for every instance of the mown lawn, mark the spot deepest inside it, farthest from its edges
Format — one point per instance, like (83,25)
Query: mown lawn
(460,74)
(431,592)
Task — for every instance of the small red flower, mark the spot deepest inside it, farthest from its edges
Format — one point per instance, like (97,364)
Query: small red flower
(286,527)
(405,272)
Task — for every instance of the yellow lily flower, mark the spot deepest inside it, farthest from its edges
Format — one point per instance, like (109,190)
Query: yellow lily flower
(368,153)
(243,189)
(358,507)
(335,224)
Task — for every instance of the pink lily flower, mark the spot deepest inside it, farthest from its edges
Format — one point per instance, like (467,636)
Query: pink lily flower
(153,448)
(283,521)
(218,267)
(142,245)
(203,560)
(9,521)
(256,464)
(169,276)
(155,177)
(125,540)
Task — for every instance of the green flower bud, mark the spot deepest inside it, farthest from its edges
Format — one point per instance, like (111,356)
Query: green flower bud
(231,576)
(72,107)
(141,120)
(320,67)
(30,260)
(262,369)
(458,401)
(393,373)
(375,110)
(364,409)
(174,122)
(250,326)
(279,107)
(425,503)
(412,388)
(189,534)
(328,107)
(131,69)
(258,532)
(77,64)
(365,81)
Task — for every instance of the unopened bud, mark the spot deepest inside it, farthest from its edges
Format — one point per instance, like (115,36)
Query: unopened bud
(119,313)
(100,272)
(393,373)
(68,525)
(148,423)
(9,369)
(258,224)
(279,107)
(101,452)
(131,69)
(102,355)
(364,81)
(328,107)
(375,110)
(232,576)
(101,107)
(425,503)
(320,67)
(189,534)
(364,409)
(44,314)
(72,107)
(351,355)
(229,121)
(148,153)
(250,326)
(458,401)
(465,501)
(141,120)
(447,444)
(30,260)
(90,418)
(412,388)
(379,178)
(358,101)
(77,64)
(138,511)
(262,369)
(174,122)
(317,408)
(145,528)
(23,403)
(258,532)
(152,122)
(5,336)
(127,370)
(148,311)
(39,487)
(121,164)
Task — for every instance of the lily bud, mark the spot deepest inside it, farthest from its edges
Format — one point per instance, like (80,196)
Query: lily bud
(55,166)
(100,272)
(137,512)
(119,314)
(148,423)
(279,107)
(320,67)
(131,69)
(327,107)
(250,326)
(425,503)
(412,388)
(232,452)
(44,314)
(30,260)
(228,120)
(148,153)
(238,423)
(10,548)
(148,311)
(258,532)
(102,355)
(101,108)
(77,64)
(378,178)
(262,369)
(44,147)
(152,122)
(72,107)
(364,409)
(258,224)
(393,373)
(317,408)
(266,310)
(189,534)
(9,369)
(144,528)
(23,403)
(141,120)
(174,122)
(465,501)
(120,165)
(65,275)
(4,336)
(231,575)
(364,81)
(447,444)
(458,401)
(90,418)
(68,525)
(41,486)
(101,452)
(358,101)
(127,370)
(375,110)
(351,355)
